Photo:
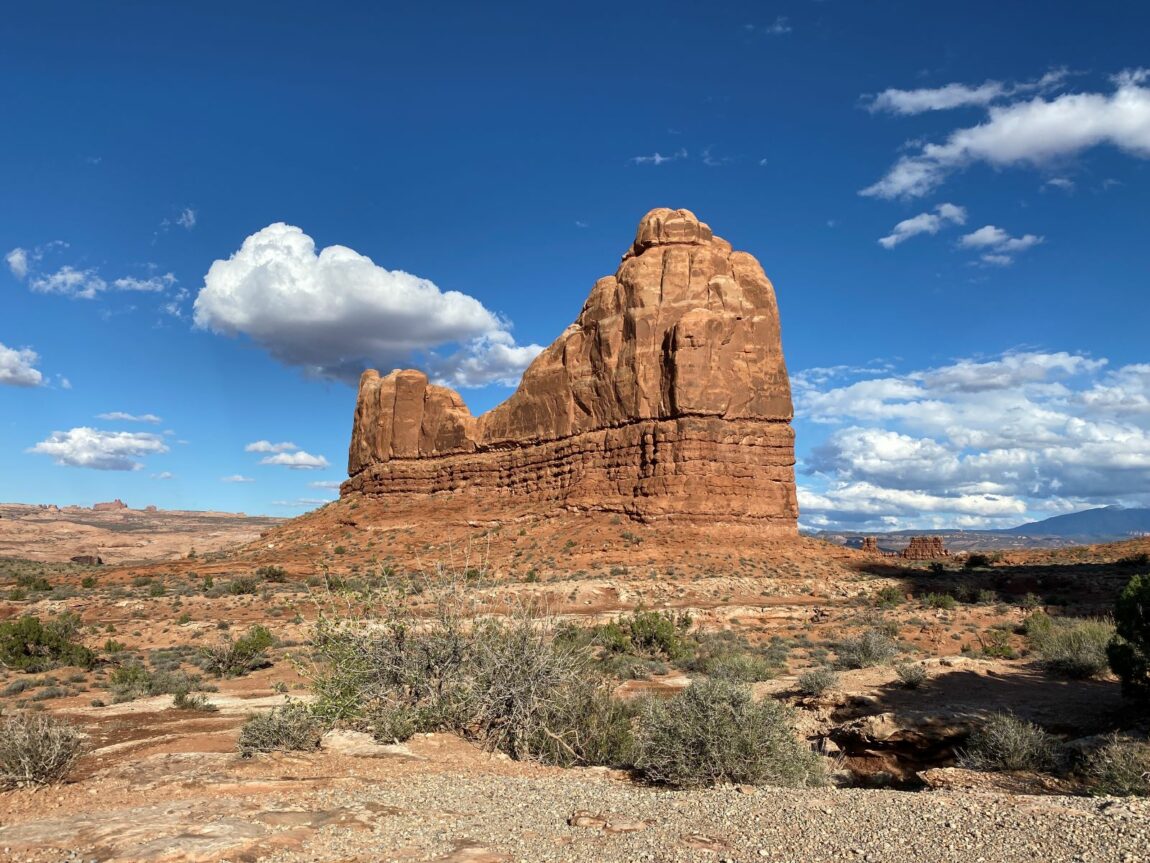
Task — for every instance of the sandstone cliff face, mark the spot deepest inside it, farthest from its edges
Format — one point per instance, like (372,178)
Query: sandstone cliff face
(667,398)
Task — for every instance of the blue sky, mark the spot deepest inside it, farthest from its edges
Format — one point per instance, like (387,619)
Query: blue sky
(950,200)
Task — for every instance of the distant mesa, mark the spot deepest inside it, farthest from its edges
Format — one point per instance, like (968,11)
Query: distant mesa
(110,506)
(666,399)
(925,548)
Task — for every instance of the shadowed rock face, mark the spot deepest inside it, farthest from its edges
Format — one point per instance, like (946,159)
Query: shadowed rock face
(667,398)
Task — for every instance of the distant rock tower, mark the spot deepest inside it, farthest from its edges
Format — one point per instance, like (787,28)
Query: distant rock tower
(925,548)
(666,399)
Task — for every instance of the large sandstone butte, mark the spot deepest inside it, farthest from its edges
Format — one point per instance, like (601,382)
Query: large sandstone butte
(668,398)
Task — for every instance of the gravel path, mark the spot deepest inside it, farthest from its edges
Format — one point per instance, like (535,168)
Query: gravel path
(489,818)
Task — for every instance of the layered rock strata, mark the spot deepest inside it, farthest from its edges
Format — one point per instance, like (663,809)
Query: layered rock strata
(668,398)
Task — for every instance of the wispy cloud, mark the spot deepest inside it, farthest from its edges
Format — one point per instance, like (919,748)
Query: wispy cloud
(75,282)
(120,416)
(236,477)
(924,223)
(268,446)
(1033,132)
(996,245)
(658,158)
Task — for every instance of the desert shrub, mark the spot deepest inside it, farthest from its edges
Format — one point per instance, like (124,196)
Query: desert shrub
(714,731)
(656,633)
(185,699)
(872,647)
(292,727)
(29,645)
(245,585)
(36,749)
(911,674)
(996,643)
(586,725)
(134,680)
(889,597)
(1075,648)
(1128,653)
(817,681)
(728,655)
(976,561)
(506,683)
(273,574)
(940,600)
(235,657)
(1119,768)
(1037,625)
(1005,742)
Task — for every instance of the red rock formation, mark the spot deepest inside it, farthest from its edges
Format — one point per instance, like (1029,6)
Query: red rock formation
(925,548)
(111,506)
(870,545)
(667,398)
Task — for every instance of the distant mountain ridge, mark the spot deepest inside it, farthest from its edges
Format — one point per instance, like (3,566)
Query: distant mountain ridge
(1109,522)
(1102,524)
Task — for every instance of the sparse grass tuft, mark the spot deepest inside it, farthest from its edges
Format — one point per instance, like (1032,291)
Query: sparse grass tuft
(1119,768)
(818,681)
(911,674)
(873,647)
(292,727)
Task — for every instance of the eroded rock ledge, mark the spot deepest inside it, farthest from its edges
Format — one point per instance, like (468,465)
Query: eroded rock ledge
(668,398)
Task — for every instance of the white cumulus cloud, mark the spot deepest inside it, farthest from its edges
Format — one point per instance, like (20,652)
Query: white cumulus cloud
(1032,132)
(976,442)
(268,446)
(298,460)
(337,312)
(100,450)
(17,261)
(924,223)
(18,367)
(997,246)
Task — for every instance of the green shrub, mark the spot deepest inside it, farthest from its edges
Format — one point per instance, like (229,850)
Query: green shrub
(28,645)
(273,574)
(940,600)
(656,633)
(36,749)
(292,727)
(133,680)
(715,732)
(873,647)
(976,561)
(185,699)
(1075,648)
(818,681)
(996,643)
(243,586)
(1128,654)
(232,658)
(889,597)
(1005,742)
(911,674)
(1037,625)
(1119,768)
(728,655)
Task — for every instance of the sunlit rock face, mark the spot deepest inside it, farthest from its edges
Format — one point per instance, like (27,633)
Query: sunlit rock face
(667,398)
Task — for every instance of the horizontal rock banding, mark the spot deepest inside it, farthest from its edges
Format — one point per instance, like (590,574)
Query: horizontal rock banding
(667,398)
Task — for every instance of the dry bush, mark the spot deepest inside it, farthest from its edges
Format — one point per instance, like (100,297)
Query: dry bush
(292,727)
(36,749)
(1119,768)
(1005,742)
(911,674)
(504,682)
(1073,648)
(714,732)
(873,647)
(818,681)
(232,658)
